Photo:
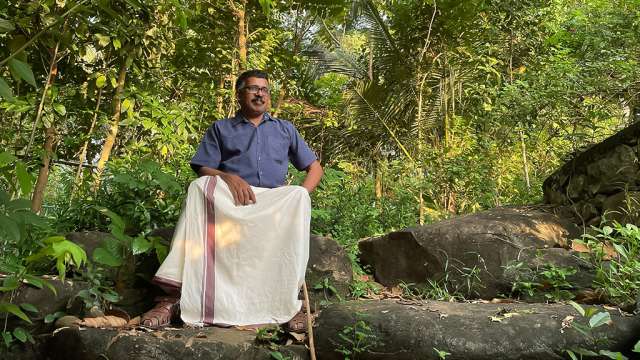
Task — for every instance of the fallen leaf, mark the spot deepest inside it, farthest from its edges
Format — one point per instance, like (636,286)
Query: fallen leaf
(298,337)
(106,321)
(566,323)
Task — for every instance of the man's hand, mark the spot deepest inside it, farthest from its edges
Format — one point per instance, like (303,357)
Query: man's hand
(241,190)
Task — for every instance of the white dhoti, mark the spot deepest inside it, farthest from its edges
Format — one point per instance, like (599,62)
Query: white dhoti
(239,265)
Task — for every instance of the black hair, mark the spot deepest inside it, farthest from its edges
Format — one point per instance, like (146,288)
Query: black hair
(250,73)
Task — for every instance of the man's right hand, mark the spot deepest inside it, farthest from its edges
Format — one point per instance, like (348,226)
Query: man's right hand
(240,189)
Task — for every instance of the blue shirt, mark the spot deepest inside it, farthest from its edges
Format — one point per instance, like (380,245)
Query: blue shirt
(258,154)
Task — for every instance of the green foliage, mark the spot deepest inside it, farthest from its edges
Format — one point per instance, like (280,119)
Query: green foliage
(356,339)
(594,319)
(619,278)
(549,280)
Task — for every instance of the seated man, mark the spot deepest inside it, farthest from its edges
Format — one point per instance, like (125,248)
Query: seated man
(240,249)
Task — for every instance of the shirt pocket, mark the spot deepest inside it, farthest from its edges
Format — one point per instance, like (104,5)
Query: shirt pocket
(279,150)
(233,146)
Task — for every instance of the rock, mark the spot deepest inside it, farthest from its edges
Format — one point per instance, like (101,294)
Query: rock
(179,344)
(466,331)
(67,321)
(46,301)
(328,265)
(89,240)
(470,251)
(599,172)
(622,207)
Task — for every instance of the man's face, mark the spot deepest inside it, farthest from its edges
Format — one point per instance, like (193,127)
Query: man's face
(251,102)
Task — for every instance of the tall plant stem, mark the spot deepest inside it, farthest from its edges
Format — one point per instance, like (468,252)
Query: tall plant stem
(83,151)
(50,134)
(115,122)
(47,85)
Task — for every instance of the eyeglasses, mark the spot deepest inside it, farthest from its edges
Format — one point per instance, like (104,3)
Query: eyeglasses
(254,89)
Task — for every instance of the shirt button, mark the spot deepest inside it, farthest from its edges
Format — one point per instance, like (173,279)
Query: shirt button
(258,157)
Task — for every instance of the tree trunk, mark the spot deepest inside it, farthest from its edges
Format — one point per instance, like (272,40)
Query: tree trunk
(53,70)
(83,151)
(43,175)
(115,122)
(242,35)
(525,166)
(50,133)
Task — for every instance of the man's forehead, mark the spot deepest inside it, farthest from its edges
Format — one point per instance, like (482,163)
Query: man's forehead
(256,81)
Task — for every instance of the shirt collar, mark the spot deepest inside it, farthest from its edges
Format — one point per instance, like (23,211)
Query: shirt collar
(240,118)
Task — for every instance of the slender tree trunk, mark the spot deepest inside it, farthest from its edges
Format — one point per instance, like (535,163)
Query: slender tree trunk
(242,35)
(83,151)
(220,97)
(523,146)
(115,122)
(421,208)
(43,175)
(525,166)
(53,69)
(50,136)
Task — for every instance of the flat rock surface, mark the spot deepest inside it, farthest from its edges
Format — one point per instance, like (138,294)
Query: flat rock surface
(182,344)
(414,329)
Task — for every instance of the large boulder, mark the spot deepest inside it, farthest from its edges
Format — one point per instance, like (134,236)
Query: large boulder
(595,181)
(176,344)
(416,330)
(45,300)
(472,252)
(329,271)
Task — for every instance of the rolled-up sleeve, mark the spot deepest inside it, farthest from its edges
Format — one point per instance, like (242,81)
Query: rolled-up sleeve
(208,153)
(300,155)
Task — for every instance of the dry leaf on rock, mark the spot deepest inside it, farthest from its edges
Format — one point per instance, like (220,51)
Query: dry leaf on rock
(104,321)
(67,321)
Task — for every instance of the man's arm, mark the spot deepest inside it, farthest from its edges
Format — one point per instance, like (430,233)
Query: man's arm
(314,174)
(240,189)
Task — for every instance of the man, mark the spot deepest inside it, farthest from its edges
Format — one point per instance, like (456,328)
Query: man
(239,252)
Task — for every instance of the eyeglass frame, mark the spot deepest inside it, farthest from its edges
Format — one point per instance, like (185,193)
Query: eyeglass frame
(254,89)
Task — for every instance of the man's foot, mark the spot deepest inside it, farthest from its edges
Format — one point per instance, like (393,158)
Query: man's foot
(166,310)
(298,324)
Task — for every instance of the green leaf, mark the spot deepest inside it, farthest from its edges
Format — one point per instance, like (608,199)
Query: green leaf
(6,26)
(140,245)
(578,307)
(6,158)
(53,317)
(29,307)
(5,90)
(116,221)
(78,255)
(24,178)
(612,355)
(116,44)
(15,310)
(636,348)
(19,204)
(60,109)
(20,334)
(126,105)
(101,81)
(161,252)
(7,337)
(90,54)
(10,227)
(103,40)
(571,354)
(32,280)
(103,256)
(10,283)
(22,70)
(599,319)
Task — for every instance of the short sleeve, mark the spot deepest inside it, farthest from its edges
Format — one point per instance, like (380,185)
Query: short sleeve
(300,155)
(208,153)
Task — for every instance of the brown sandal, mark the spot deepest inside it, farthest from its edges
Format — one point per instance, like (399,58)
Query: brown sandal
(298,324)
(166,310)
